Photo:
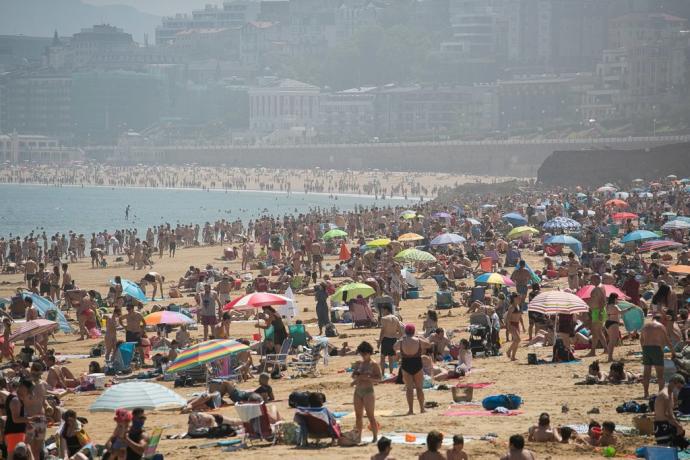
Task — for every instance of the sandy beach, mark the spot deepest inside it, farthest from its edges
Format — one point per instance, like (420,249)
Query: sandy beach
(544,388)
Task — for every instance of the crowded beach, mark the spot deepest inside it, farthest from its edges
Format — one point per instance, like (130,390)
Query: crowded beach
(521,324)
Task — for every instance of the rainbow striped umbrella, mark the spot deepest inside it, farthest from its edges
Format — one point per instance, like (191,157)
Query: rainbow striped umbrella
(205,352)
(557,302)
(172,318)
(494,278)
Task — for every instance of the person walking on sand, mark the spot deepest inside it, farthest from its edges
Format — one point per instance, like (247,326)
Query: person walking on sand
(209,301)
(364,375)
(613,315)
(514,322)
(411,349)
(653,338)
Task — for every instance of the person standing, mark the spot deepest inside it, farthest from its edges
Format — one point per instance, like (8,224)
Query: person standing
(573,272)
(365,374)
(35,411)
(210,309)
(16,421)
(613,316)
(391,331)
(514,322)
(411,349)
(653,338)
(111,332)
(597,312)
(322,312)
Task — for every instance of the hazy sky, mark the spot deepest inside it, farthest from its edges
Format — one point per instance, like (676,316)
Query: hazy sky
(159,7)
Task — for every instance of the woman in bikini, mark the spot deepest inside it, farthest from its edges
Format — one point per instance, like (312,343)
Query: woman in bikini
(364,375)
(613,314)
(411,349)
(515,321)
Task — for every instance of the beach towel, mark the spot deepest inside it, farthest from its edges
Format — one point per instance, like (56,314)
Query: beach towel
(419,439)
(480,413)
(476,386)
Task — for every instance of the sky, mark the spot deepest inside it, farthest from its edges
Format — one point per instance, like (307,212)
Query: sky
(158,7)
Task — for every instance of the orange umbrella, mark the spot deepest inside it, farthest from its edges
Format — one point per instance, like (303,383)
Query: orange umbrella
(625,215)
(680,269)
(344,252)
(616,203)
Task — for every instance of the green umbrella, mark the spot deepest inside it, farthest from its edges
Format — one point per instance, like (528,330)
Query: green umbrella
(352,290)
(335,233)
(414,255)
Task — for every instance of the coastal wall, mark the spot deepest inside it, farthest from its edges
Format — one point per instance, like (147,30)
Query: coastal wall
(500,158)
(596,167)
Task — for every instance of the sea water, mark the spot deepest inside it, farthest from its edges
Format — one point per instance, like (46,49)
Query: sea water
(37,208)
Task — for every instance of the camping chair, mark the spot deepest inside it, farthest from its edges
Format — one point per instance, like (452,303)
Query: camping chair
(298,334)
(316,423)
(486,264)
(224,369)
(477,294)
(440,278)
(306,363)
(256,422)
(279,359)
(444,300)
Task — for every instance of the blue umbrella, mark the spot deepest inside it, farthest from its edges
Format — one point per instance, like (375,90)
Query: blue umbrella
(514,218)
(447,238)
(130,395)
(566,240)
(44,305)
(682,218)
(562,223)
(639,235)
(132,289)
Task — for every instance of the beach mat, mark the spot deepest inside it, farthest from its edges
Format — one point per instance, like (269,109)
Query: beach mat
(475,386)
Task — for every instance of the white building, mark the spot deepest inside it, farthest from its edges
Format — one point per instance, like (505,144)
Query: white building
(16,148)
(283,104)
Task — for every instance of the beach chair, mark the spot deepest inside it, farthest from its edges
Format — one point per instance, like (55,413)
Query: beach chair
(444,300)
(316,423)
(278,359)
(224,369)
(477,294)
(362,316)
(256,422)
(298,333)
(306,364)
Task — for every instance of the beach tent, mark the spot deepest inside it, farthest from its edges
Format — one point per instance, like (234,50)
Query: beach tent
(44,306)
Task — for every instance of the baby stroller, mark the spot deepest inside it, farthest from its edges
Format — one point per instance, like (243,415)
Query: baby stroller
(482,338)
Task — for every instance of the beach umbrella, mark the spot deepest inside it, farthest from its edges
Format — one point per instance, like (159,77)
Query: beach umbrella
(685,180)
(573,243)
(352,290)
(645,195)
(381,242)
(441,215)
(447,238)
(473,221)
(657,245)
(557,302)
(683,218)
(606,189)
(405,237)
(638,180)
(335,233)
(561,223)
(680,269)
(519,232)
(616,203)
(32,329)
(414,255)
(408,212)
(514,218)
(624,215)
(672,176)
(256,300)
(639,235)
(131,289)
(488,206)
(205,352)
(669,214)
(494,278)
(585,292)
(676,225)
(130,395)
(171,318)
(48,309)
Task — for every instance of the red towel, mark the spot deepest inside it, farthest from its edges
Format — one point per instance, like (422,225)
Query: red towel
(476,386)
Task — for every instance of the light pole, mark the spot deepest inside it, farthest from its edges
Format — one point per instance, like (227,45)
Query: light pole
(654,127)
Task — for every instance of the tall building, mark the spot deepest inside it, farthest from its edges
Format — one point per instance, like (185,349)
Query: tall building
(347,116)
(283,104)
(476,29)
(99,40)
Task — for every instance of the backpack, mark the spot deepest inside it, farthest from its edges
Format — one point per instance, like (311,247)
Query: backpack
(330,330)
(509,401)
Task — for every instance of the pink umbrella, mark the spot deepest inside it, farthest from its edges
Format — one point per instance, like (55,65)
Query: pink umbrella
(256,300)
(586,291)
(557,302)
(32,329)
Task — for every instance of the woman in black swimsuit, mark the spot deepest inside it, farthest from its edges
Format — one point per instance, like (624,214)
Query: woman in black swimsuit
(613,314)
(274,319)
(411,349)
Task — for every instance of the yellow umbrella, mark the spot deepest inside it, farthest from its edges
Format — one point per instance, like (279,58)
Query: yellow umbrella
(518,232)
(381,242)
(405,237)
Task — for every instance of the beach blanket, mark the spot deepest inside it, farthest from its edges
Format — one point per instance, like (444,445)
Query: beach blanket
(476,386)
(419,439)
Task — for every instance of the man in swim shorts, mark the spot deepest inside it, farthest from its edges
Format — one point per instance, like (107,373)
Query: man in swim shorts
(391,331)
(653,338)
(667,430)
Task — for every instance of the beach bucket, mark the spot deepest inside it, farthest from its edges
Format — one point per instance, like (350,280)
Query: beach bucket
(256,337)
(98,380)
(409,437)
(462,394)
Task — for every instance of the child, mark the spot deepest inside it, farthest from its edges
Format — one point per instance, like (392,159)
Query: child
(118,444)
(608,438)
(7,350)
(384,446)
(433,443)
(265,390)
(456,453)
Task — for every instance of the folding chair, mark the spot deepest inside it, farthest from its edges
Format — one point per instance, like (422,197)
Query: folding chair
(298,334)
(256,422)
(316,423)
(279,359)
(306,364)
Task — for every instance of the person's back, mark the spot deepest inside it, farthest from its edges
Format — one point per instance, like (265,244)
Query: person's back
(434,440)
(517,451)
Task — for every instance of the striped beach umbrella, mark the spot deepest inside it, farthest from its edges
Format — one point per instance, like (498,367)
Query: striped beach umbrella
(256,300)
(677,224)
(657,245)
(205,352)
(405,237)
(494,278)
(414,255)
(32,329)
(557,302)
(130,395)
(172,318)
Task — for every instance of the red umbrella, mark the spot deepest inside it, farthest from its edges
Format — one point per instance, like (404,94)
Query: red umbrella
(616,203)
(256,300)
(586,292)
(625,215)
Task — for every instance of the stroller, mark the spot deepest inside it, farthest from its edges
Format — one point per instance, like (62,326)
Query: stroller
(362,316)
(482,337)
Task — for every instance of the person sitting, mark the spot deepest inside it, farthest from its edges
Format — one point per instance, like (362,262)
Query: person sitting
(434,440)
(542,431)
(444,297)
(594,374)
(516,449)
(384,449)
(59,377)
(618,374)
(435,372)
(608,438)
(567,434)
(264,389)
(464,364)
(456,452)
(439,344)
(430,323)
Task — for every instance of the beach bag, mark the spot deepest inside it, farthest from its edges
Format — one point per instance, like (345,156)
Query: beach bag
(288,433)
(330,330)
(298,399)
(350,438)
(509,401)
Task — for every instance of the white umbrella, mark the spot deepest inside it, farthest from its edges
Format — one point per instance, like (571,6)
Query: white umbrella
(130,395)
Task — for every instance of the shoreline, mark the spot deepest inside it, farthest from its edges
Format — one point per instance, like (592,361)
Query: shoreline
(209,189)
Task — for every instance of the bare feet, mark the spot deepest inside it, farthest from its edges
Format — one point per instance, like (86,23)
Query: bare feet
(410,413)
